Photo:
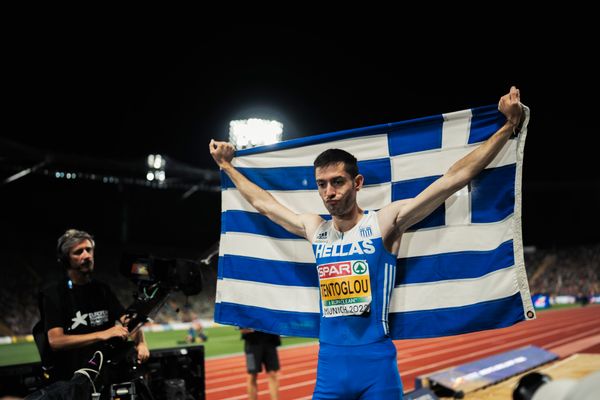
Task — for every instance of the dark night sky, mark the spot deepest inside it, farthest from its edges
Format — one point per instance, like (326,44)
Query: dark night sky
(124,93)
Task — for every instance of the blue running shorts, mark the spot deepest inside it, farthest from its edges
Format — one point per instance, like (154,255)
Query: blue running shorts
(367,371)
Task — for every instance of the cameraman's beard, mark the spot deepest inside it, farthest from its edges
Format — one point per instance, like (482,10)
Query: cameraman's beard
(86,267)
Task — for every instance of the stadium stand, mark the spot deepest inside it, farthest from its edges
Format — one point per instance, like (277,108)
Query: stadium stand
(570,271)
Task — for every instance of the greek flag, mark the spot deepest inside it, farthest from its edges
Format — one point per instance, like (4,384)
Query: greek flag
(459,270)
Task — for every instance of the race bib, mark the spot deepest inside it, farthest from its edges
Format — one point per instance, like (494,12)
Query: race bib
(345,288)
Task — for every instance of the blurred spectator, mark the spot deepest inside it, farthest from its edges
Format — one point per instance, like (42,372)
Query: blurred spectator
(261,349)
(195,333)
(573,271)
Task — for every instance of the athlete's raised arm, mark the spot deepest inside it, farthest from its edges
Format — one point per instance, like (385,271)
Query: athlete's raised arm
(303,225)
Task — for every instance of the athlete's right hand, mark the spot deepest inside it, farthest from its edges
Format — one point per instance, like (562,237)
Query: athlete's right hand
(117,331)
(221,152)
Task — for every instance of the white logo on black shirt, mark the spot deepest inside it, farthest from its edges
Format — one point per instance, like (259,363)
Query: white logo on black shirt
(96,318)
(79,320)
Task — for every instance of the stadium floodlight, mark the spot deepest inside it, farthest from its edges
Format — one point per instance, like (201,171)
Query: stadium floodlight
(156,161)
(156,168)
(251,132)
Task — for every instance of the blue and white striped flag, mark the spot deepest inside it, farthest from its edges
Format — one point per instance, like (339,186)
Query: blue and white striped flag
(459,270)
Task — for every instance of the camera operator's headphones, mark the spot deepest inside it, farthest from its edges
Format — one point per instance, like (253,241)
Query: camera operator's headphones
(69,239)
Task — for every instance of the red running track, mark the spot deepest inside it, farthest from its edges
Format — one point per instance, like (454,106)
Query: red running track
(565,331)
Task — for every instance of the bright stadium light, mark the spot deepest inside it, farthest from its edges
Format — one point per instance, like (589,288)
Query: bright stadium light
(156,161)
(244,133)
(156,168)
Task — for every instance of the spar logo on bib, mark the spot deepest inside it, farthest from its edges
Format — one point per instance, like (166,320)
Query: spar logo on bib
(345,288)
(333,270)
(359,267)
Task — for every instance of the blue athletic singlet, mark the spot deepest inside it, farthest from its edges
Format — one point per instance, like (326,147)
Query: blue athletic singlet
(357,358)
(356,277)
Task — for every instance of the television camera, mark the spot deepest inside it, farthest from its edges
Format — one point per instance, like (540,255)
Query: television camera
(156,278)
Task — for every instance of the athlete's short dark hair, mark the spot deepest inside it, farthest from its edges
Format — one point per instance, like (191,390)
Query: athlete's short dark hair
(334,156)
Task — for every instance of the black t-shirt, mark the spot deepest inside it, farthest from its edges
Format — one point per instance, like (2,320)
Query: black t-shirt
(78,309)
(258,337)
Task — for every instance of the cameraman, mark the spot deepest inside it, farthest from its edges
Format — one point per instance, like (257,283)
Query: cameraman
(81,314)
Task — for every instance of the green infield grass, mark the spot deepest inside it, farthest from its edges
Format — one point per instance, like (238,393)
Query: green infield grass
(222,340)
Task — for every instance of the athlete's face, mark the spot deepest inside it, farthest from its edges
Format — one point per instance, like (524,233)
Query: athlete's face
(337,188)
(81,257)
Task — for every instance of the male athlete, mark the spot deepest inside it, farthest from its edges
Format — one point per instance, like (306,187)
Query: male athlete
(356,254)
